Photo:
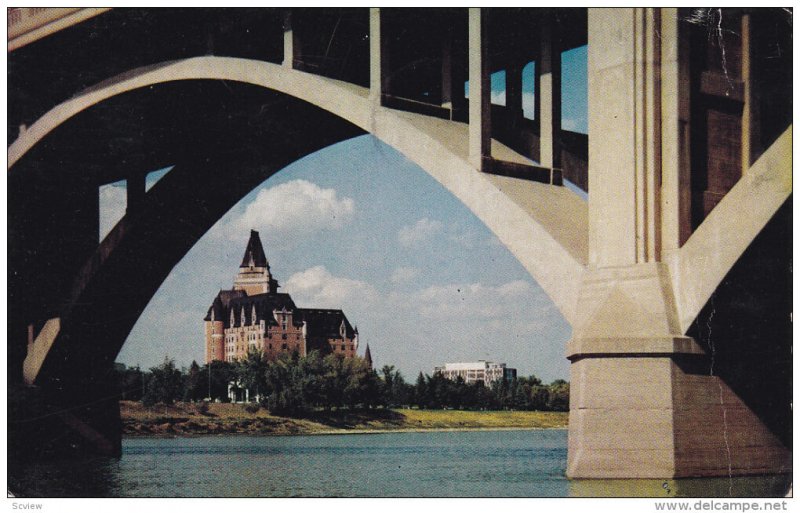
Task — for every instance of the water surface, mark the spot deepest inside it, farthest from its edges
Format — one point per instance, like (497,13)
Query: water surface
(433,464)
(525,463)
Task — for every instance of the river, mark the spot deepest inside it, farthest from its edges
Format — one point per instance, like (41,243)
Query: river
(433,464)
(524,463)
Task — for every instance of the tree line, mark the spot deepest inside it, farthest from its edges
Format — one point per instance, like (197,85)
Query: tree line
(295,385)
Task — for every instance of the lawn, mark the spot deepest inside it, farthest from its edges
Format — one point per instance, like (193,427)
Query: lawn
(186,419)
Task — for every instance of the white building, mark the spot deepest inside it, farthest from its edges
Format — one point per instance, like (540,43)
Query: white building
(472,372)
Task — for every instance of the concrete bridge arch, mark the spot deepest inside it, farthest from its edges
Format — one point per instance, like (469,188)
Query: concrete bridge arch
(555,217)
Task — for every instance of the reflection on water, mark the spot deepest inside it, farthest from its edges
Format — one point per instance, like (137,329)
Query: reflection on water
(445,464)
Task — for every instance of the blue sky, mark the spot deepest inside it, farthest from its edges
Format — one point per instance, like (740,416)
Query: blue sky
(574,90)
(359,227)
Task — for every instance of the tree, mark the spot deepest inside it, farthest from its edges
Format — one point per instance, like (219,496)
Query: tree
(131,384)
(387,385)
(193,383)
(334,380)
(559,396)
(362,384)
(215,378)
(401,391)
(164,385)
(394,391)
(282,394)
(251,372)
(312,385)
(421,391)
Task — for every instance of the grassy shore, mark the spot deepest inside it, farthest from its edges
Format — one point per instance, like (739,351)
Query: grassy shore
(183,419)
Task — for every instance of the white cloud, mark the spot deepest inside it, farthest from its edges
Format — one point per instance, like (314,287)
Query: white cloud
(528,105)
(470,238)
(297,208)
(570,125)
(474,300)
(422,230)
(499,97)
(113,203)
(318,288)
(404,274)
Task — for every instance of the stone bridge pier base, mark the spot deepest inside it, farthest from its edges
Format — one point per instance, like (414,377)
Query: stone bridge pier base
(645,402)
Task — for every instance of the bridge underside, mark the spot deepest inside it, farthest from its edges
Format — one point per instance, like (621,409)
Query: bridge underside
(224,139)
(679,301)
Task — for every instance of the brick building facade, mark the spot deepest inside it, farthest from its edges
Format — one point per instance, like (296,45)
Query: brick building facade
(253,315)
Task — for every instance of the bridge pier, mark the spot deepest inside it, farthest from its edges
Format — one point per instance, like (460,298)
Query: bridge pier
(645,400)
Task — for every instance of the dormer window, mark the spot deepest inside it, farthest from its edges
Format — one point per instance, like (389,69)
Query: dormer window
(253,317)
(233,318)
(243,318)
(342,329)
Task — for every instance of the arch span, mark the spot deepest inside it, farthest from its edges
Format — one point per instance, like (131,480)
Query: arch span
(98,292)
(516,211)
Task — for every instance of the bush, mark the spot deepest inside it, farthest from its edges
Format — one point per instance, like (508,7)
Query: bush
(252,407)
(201,407)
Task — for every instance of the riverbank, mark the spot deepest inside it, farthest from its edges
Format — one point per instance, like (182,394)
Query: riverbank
(186,419)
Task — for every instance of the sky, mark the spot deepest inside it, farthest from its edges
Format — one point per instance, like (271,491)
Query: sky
(359,227)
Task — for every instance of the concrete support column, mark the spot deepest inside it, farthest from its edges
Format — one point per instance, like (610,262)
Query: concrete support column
(514,93)
(676,191)
(624,137)
(480,121)
(453,76)
(378,57)
(548,70)
(136,191)
(291,43)
(751,146)
(447,69)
